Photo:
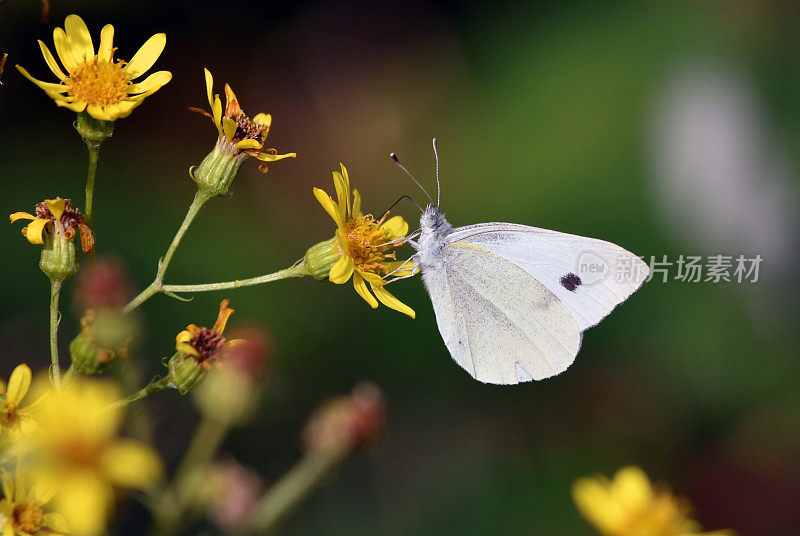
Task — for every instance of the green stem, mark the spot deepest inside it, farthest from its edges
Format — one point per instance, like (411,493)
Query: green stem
(297,270)
(200,199)
(172,506)
(152,387)
(293,488)
(55,290)
(94,152)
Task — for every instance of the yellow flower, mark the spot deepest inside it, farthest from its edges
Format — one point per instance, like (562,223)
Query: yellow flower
(203,344)
(22,509)
(362,244)
(238,134)
(95,82)
(77,445)
(629,505)
(13,419)
(55,217)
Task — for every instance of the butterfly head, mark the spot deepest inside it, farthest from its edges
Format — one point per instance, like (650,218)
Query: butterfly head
(433,221)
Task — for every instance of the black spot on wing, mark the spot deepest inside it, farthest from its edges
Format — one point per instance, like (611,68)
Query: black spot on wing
(571,282)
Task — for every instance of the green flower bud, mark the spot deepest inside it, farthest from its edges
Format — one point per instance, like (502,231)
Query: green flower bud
(58,258)
(94,131)
(217,171)
(87,357)
(320,258)
(184,372)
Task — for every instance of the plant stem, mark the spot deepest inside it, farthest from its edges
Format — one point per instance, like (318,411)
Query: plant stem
(200,199)
(296,270)
(152,387)
(293,488)
(206,441)
(55,290)
(94,152)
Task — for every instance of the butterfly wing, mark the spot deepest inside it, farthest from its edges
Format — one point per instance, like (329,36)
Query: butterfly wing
(568,265)
(498,322)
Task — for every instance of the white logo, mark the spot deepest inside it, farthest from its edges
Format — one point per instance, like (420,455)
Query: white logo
(592,268)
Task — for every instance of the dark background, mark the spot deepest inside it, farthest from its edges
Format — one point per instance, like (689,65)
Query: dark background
(669,128)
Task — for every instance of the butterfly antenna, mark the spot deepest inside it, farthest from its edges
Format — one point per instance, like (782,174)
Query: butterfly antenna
(438,188)
(396,161)
(400,199)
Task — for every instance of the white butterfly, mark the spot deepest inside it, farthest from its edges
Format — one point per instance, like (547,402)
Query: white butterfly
(512,301)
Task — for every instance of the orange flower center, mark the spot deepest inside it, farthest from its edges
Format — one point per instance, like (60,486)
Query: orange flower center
(367,243)
(99,82)
(28,518)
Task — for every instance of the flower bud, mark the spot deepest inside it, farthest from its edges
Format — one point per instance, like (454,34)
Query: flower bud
(58,261)
(217,171)
(233,491)
(93,131)
(320,258)
(227,395)
(106,334)
(103,284)
(349,422)
(184,372)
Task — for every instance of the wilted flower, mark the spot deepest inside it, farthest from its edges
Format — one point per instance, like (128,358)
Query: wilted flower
(13,419)
(629,505)
(197,349)
(238,137)
(95,82)
(23,509)
(77,445)
(361,245)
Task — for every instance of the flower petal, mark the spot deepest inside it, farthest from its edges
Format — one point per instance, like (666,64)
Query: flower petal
(34,231)
(106,50)
(76,106)
(372,278)
(397,227)
(594,502)
(327,203)
(55,522)
(361,288)
(389,300)
(229,128)
(342,270)
(209,85)
(83,500)
(342,194)
(64,49)
(131,464)
(216,110)
(182,343)
(154,81)
(146,56)
(49,87)
(400,268)
(224,314)
(56,207)
(21,216)
(246,145)
(79,37)
(356,204)
(18,385)
(51,62)
(631,489)
(268,157)
(99,113)
(232,107)
(263,119)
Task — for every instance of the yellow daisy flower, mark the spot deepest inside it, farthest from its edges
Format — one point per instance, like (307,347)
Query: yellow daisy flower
(13,419)
(362,244)
(239,136)
(628,505)
(77,445)
(22,509)
(95,82)
(55,217)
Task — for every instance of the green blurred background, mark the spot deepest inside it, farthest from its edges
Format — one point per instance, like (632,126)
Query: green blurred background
(669,128)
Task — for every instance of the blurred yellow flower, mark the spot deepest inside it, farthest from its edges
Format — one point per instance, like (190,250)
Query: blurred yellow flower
(55,217)
(22,509)
(13,419)
(362,244)
(77,445)
(95,82)
(628,505)
(238,134)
